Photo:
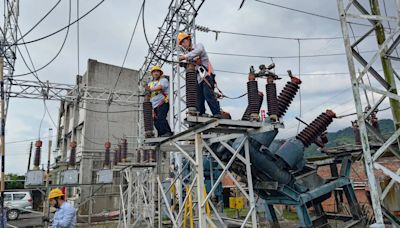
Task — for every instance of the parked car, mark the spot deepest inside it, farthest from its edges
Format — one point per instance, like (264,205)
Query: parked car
(15,201)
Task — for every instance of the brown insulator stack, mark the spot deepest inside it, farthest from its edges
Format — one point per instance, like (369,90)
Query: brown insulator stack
(116,155)
(272,100)
(139,154)
(146,155)
(316,128)
(286,96)
(72,155)
(252,99)
(124,150)
(246,115)
(119,152)
(152,155)
(148,117)
(374,122)
(107,147)
(356,131)
(36,161)
(191,89)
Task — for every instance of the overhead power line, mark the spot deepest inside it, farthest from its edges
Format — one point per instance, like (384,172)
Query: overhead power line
(61,29)
(217,32)
(40,21)
(282,57)
(55,57)
(309,13)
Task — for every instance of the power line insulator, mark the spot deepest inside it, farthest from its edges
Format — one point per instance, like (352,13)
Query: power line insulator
(316,128)
(38,151)
(191,88)
(287,95)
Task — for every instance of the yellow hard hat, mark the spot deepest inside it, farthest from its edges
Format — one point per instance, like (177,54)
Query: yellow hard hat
(55,193)
(182,36)
(156,68)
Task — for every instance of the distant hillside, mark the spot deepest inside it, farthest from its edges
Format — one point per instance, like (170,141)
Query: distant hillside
(346,136)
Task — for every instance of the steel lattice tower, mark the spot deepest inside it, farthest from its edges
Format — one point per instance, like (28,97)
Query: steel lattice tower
(384,86)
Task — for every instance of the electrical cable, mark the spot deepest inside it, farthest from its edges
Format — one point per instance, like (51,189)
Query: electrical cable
(41,121)
(40,21)
(28,140)
(122,67)
(54,58)
(33,66)
(147,40)
(283,57)
(29,56)
(61,29)
(96,111)
(48,113)
(308,13)
(129,45)
(206,30)
(355,113)
(97,143)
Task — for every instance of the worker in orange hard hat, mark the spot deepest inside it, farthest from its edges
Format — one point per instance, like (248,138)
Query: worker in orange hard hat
(66,214)
(205,74)
(159,89)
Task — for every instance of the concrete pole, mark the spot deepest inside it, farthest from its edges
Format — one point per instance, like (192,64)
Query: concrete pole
(387,66)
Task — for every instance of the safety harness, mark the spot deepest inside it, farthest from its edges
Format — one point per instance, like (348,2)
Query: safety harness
(153,84)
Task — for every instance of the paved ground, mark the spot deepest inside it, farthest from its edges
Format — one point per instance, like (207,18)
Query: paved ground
(27,220)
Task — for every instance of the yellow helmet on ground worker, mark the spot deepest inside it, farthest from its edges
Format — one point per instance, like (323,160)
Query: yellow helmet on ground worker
(182,36)
(55,193)
(156,68)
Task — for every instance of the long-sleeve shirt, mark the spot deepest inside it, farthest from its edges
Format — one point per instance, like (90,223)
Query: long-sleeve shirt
(65,217)
(198,50)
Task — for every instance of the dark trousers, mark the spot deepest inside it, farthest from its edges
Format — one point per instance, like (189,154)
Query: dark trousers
(205,93)
(160,120)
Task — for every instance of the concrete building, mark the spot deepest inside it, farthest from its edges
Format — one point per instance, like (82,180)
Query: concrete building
(93,124)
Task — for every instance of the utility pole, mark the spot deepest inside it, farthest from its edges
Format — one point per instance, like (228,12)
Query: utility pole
(2,140)
(30,156)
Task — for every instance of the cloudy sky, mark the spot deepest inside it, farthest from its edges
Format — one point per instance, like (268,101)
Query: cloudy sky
(104,35)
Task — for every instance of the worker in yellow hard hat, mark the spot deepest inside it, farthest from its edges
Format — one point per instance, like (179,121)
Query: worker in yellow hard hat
(65,215)
(159,97)
(205,74)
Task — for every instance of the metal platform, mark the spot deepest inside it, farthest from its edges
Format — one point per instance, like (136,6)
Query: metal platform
(212,127)
(123,165)
(193,144)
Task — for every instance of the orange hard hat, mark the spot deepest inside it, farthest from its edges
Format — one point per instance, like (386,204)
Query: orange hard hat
(182,36)
(55,193)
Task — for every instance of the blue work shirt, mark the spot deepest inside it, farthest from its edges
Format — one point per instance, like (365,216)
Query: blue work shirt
(65,217)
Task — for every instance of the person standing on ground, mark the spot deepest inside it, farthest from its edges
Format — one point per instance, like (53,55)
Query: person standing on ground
(65,216)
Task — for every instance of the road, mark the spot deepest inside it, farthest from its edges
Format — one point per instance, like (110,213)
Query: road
(27,220)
